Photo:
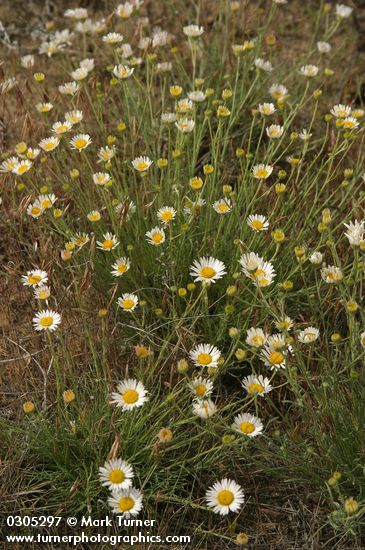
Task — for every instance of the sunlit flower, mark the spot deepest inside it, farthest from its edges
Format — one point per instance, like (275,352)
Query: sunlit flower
(127,502)
(343,11)
(156,236)
(267,108)
(49,144)
(166,214)
(46,320)
(278,91)
(47,201)
(256,337)
(36,277)
(141,164)
(263,65)
(113,38)
(225,496)
(331,274)
(193,31)
(323,47)
(21,167)
(69,88)
(248,425)
(101,178)
(74,116)
(275,359)
(106,153)
(205,355)
(309,70)
(35,209)
(207,269)
(350,122)
(108,243)
(185,125)
(44,107)
(308,335)
(80,142)
(42,292)
(61,127)
(204,408)
(274,131)
(341,111)
(128,302)
(256,385)
(262,171)
(116,474)
(201,387)
(79,74)
(120,267)
(355,232)
(130,394)
(258,222)
(123,71)
(222,206)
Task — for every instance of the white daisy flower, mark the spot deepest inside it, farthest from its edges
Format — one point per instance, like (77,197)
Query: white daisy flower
(331,274)
(256,337)
(205,355)
(166,214)
(109,243)
(316,258)
(123,71)
(248,425)
(207,269)
(127,301)
(258,222)
(156,236)
(201,387)
(120,267)
(204,408)
(275,131)
(116,474)
(36,277)
(308,335)
(193,31)
(21,167)
(272,358)
(278,91)
(263,65)
(341,111)
(74,116)
(127,502)
(343,11)
(130,394)
(46,320)
(42,292)
(49,144)
(267,109)
(141,164)
(101,178)
(80,142)
(69,88)
(262,171)
(256,385)
(113,38)
(309,70)
(222,206)
(35,209)
(225,496)
(185,125)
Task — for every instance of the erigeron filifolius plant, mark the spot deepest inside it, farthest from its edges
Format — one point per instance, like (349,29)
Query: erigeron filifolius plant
(197,204)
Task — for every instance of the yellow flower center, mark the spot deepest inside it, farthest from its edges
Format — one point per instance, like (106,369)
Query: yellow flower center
(200,390)
(142,166)
(116,476)
(225,497)
(204,358)
(46,203)
(49,146)
(23,168)
(247,427)
(108,244)
(42,295)
(223,207)
(261,173)
(80,143)
(207,272)
(122,268)
(157,237)
(46,321)
(258,340)
(61,129)
(34,279)
(35,210)
(255,387)
(128,303)
(257,224)
(125,504)
(94,217)
(263,281)
(276,357)
(166,216)
(130,396)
